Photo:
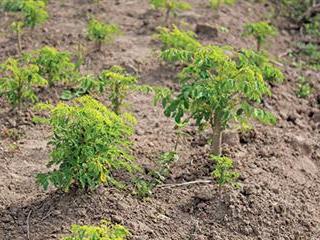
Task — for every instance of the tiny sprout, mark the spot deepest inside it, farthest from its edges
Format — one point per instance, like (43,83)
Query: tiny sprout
(260,31)
(105,231)
(102,33)
(223,172)
(17,29)
(171,7)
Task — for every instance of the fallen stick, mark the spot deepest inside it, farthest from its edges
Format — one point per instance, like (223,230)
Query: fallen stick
(28,225)
(183,184)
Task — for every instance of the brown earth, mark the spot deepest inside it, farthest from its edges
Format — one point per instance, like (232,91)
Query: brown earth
(279,198)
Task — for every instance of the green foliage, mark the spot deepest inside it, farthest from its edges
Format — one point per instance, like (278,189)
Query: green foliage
(313,28)
(144,187)
(89,142)
(101,32)
(17,28)
(223,171)
(171,7)
(12,5)
(105,231)
(304,88)
(311,52)
(218,85)
(55,66)
(18,80)
(269,72)
(294,9)
(87,85)
(119,83)
(175,38)
(260,31)
(33,11)
(217,3)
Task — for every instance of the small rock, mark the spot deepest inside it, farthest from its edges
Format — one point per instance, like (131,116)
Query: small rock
(206,30)
(230,138)
(316,117)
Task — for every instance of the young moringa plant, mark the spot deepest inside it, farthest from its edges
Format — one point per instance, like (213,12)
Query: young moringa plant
(171,7)
(101,33)
(89,142)
(223,172)
(18,81)
(55,66)
(34,13)
(260,31)
(119,83)
(17,28)
(105,231)
(175,38)
(217,3)
(215,90)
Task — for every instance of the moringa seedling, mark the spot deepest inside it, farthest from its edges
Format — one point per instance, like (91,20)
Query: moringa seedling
(17,28)
(304,88)
(119,83)
(171,7)
(260,31)
(101,33)
(223,172)
(217,3)
(215,90)
(89,142)
(175,38)
(105,231)
(55,66)
(31,14)
(18,81)
(34,13)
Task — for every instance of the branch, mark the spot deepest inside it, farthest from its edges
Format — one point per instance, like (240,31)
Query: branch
(28,225)
(184,184)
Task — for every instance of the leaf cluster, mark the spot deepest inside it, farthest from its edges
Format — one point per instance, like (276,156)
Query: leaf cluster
(18,81)
(33,11)
(217,3)
(223,172)
(216,82)
(89,142)
(175,38)
(105,231)
(55,66)
(170,5)
(102,32)
(260,31)
(269,72)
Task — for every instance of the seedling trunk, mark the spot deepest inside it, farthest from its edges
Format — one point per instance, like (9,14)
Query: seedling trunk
(217,129)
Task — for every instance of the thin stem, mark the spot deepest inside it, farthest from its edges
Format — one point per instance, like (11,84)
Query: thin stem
(217,129)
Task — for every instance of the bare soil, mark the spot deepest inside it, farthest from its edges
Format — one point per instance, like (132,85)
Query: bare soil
(279,198)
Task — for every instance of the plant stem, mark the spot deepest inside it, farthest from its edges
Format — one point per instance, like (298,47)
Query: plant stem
(217,129)
(258,45)
(116,100)
(19,42)
(166,20)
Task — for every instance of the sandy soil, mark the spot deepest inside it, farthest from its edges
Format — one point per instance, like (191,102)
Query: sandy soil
(280,166)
